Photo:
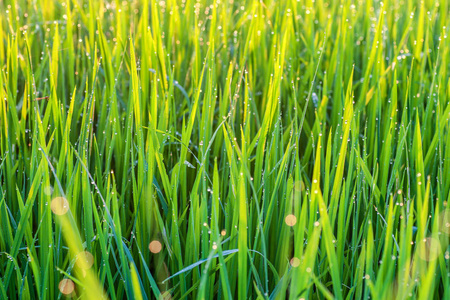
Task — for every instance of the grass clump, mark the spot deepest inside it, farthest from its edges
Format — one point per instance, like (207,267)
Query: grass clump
(224,149)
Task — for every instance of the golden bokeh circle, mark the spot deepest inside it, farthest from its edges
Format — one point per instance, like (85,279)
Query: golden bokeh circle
(155,246)
(290,220)
(295,262)
(59,206)
(66,286)
(85,260)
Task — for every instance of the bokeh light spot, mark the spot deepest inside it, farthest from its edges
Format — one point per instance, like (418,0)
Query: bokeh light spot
(295,262)
(85,260)
(59,206)
(48,190)
(290,220)
(155,246)
(66,286)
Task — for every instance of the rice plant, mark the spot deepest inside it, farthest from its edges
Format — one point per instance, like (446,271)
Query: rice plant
(224,149)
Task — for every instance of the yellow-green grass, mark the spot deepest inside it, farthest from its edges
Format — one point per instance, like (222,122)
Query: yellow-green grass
(224,149)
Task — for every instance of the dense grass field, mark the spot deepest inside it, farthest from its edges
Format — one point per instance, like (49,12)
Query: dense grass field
(224,149)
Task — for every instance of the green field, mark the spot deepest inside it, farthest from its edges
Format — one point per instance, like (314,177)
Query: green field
(224,149)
